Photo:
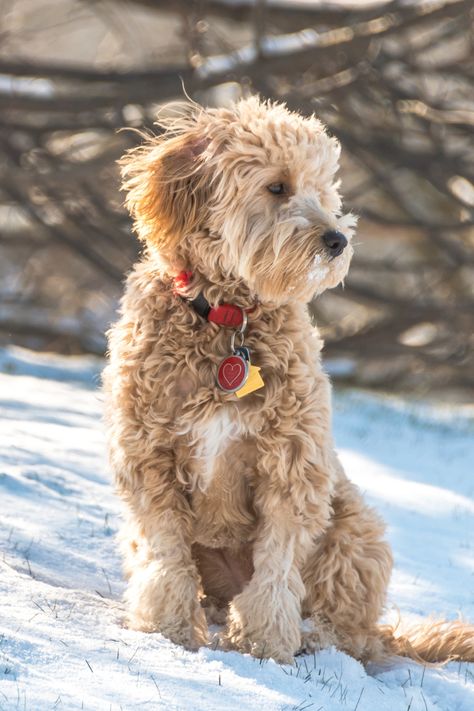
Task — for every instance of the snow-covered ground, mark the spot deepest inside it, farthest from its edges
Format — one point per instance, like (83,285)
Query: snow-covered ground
(62,645)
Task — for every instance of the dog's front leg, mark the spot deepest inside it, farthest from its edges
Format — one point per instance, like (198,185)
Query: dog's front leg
(265,618)
(293,502)
(162,594)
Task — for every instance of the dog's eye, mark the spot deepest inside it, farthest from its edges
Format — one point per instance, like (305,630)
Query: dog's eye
(277,188)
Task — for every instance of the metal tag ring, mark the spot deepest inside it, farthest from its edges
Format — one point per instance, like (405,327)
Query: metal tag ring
(245,320)
(232,339)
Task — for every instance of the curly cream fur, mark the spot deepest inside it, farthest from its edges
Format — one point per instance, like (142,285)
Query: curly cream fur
(241,504)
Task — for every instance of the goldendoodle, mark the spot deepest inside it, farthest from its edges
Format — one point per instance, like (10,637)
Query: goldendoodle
(218,410)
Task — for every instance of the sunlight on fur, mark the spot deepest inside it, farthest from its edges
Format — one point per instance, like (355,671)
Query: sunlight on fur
(239,509)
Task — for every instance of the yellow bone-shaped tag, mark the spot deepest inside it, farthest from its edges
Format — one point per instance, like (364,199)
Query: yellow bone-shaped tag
(254,382)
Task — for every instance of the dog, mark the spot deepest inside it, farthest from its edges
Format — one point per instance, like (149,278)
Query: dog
(217,407)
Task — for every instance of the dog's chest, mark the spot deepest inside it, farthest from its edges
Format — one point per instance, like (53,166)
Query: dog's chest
(222,501)
(214,437)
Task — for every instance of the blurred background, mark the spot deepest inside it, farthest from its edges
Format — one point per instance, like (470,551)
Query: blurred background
(393,80)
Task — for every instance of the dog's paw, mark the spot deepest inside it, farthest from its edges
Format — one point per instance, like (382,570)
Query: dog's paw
(268,647)
(317,634)
(154,605)
(263,629)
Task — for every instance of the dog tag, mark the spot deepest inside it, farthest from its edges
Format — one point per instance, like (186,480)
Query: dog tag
(254,382)
(232,373)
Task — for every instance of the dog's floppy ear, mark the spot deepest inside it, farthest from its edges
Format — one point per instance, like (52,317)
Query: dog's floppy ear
(166,189)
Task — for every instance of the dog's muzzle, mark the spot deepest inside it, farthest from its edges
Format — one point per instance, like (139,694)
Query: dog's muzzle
(335,242)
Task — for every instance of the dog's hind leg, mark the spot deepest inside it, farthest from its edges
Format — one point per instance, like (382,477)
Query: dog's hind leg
(346,578)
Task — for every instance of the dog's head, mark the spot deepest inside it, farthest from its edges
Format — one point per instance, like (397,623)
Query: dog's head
(247,193)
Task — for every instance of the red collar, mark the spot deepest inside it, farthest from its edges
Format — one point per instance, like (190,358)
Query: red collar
(228,315)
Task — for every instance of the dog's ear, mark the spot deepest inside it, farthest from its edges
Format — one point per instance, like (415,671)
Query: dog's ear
(166,189)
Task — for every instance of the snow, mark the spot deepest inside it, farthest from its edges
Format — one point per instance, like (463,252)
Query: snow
(62,642)
(318,270)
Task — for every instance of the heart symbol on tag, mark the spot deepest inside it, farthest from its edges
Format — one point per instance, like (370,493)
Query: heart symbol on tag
(231,373)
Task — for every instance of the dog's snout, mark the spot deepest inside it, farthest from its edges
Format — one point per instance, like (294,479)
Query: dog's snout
(335,242)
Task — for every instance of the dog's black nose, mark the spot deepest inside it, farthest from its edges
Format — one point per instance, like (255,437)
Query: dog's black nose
(335,242)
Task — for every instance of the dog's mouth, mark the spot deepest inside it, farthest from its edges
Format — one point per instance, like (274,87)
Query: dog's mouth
(325,267)
(325,258)
(330,255)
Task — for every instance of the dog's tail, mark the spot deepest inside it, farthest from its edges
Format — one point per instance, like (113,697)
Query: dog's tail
(431,642)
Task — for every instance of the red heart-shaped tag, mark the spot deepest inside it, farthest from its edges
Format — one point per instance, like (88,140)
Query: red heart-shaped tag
(232,373)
